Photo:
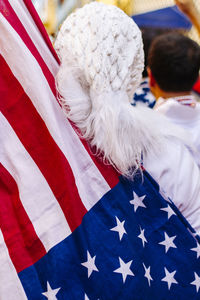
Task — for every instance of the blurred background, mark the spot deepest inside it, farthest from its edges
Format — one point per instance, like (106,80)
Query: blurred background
(156,13)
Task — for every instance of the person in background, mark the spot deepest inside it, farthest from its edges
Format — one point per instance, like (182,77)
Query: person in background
(96,87)
(173,67)
(143,95)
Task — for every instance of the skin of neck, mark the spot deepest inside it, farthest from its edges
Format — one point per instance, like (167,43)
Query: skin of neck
(158,92)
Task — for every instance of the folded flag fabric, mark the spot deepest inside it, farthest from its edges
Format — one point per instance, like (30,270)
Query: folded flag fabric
(71,228)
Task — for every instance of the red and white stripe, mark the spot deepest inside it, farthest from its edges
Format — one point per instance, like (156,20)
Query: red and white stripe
(188,100)
(48,180)
(33,32)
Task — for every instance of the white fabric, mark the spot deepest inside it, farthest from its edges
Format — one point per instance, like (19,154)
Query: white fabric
(179,177)
(187,117)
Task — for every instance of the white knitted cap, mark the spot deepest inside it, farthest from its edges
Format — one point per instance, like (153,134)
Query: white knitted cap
(101,55)
(106,45)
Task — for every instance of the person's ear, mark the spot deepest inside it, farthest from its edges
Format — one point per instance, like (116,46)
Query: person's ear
(152,81)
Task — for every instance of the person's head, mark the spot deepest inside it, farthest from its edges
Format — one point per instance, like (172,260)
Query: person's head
(104,45)
(174,63)
(148,35)
(101,54)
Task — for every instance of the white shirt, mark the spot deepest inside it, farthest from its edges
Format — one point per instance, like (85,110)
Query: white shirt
(183,115)
(179,177)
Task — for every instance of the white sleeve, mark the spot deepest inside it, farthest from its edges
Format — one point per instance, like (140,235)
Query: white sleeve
(179,176)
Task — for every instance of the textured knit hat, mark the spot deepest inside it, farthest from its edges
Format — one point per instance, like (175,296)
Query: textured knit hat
(105,44)
(101,55)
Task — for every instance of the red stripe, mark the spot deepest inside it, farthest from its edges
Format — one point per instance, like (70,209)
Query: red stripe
(11,17)
(34,135)
(41,27)
(185,99)
(22,242)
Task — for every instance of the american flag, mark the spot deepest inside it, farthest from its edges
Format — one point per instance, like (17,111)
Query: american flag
(71,228)
(143,95)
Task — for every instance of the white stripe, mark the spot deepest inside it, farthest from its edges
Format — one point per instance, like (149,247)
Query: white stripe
(34,33)
(90,183)
(37,198)
(10,284)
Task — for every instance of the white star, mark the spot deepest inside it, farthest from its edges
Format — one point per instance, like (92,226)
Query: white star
(169,278)
(196,282)
(168,242)
(90,264)
(119,228)
(124,269)
(169,211)
(142,237)
(197,249)
(137,201)
(149,97)
(194,234)
(139,91)
(50,293)
(147,274)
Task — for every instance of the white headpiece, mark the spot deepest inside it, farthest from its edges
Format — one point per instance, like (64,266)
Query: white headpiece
(106,45)
(102,59)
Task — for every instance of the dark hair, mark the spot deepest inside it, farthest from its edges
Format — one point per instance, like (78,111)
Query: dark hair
(174,60)
(148,35)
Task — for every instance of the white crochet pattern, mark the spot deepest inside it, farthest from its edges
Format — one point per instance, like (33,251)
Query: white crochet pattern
(106,45)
